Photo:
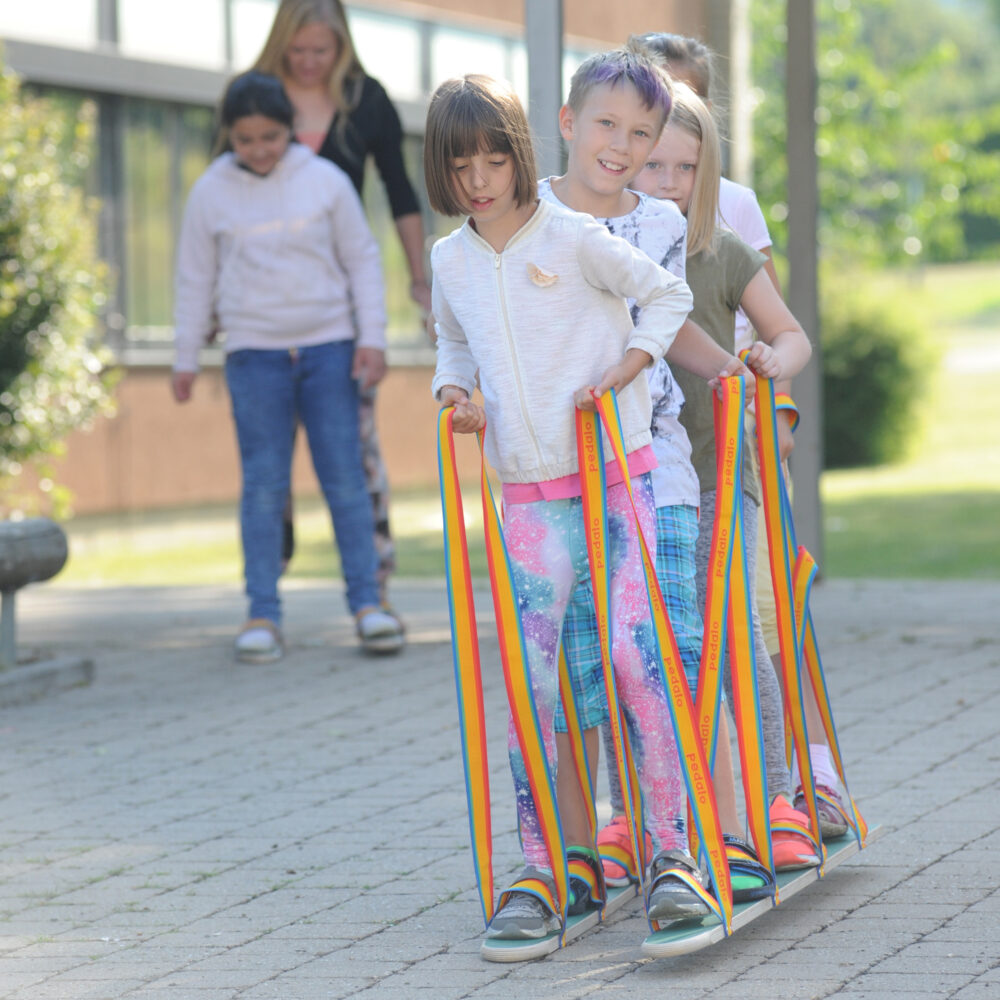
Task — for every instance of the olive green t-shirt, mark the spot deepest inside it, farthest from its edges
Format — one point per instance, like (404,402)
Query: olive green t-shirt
(717,282)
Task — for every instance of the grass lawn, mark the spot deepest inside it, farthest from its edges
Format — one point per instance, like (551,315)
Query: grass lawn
(935,516)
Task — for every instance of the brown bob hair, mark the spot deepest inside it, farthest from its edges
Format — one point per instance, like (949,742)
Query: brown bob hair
(476,114)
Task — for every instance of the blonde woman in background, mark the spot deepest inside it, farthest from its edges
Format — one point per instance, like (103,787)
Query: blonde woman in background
(345,116)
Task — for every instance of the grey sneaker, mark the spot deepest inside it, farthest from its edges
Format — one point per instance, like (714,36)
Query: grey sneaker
(671,898)
(523,915)
(379,631)
(833,816)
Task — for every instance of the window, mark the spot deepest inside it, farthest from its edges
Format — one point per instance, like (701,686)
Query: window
(189,32)
(389,50)
(405,323)
(61,22)
(251,20)
(165,148)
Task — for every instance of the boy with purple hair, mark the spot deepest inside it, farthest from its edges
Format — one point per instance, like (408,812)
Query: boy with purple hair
(618,104)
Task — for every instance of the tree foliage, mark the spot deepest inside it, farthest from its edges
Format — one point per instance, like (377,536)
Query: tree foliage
(54,375)
(907,115)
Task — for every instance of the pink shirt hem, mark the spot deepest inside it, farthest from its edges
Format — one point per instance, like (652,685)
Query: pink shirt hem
(639,461)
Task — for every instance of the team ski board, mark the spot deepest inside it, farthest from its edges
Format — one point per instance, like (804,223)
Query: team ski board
(498,950)
(681,939)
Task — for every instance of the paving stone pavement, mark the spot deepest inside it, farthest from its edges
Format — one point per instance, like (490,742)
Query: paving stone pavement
(191,829)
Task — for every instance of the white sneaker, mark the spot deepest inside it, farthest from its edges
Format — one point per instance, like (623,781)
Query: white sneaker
(259,641)
(379,631)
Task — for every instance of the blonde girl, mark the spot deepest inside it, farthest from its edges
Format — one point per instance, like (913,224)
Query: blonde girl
(725,275)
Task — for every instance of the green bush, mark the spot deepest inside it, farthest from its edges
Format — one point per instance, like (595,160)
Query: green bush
(876,363)
(54,372)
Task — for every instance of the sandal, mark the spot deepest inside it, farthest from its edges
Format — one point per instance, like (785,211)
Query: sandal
(749,878)
(614,844)
(791,841)
(586,880)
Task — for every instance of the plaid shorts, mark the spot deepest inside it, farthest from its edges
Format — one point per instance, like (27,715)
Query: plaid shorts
(676,536)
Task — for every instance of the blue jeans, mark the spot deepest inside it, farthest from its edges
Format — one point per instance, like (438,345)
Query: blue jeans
(270,392)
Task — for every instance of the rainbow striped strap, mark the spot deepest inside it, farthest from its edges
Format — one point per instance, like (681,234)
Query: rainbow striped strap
(746,693)
(728,620)
(533,887)
(468,673)
(469,677)
(782,401)
(585,865)
(694,764)
(590,456)
(779,544)
(792,573)
(520,698)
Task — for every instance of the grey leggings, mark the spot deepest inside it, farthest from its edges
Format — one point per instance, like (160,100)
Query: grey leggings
(779,780)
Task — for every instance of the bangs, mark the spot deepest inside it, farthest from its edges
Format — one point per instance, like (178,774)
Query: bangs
(473,115)
(476,126)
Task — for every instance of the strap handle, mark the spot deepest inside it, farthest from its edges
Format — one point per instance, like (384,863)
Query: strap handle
(694,764)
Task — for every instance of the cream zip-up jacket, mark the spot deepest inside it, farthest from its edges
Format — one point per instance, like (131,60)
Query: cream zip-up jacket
(282,261)
(545,317)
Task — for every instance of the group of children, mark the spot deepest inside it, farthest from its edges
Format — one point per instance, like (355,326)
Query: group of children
(626,273)
(644,166)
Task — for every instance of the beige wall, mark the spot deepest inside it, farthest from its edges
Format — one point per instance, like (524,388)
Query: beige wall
(156,453)
(595,19)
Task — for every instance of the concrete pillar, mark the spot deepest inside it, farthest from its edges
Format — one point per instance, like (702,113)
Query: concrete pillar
(543,36)
(802,293)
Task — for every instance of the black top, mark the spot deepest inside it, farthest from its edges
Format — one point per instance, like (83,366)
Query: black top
(372,127)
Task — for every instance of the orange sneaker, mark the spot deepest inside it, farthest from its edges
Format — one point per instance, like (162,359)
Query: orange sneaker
(614,845)
(791,842)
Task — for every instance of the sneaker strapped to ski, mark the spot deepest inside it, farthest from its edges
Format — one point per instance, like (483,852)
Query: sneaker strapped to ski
(676,880)
(614,844)
(522,914)
(791,843)
(833,821)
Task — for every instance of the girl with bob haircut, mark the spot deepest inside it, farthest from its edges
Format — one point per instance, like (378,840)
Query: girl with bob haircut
(471,115)
(530,301)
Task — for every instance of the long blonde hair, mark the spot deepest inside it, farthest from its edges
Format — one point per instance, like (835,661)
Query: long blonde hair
(292,16)
(691,114)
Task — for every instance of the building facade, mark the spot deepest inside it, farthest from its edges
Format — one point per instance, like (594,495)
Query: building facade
(154,72)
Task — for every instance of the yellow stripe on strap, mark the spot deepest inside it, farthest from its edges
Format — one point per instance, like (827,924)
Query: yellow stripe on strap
(792,573)
(729,622)
(593,495)
(468,673)
(517,680)
(694,765)
(468,677)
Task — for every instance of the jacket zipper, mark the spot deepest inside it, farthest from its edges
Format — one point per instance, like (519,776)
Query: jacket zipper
(513,352)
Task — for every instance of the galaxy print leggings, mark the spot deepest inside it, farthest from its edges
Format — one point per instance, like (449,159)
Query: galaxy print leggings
(547,546)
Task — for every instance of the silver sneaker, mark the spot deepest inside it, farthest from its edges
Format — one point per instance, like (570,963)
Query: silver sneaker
(671,898)
(523,915)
